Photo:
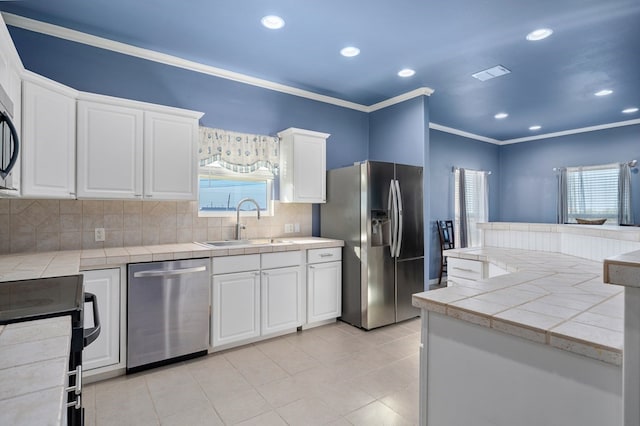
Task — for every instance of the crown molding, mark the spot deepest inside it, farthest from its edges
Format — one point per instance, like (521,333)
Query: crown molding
(453,131)
(572,131)
(151,55)
(127,49)
(421,91)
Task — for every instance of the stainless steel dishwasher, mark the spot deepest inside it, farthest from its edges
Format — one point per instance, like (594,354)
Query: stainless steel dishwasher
(167,312)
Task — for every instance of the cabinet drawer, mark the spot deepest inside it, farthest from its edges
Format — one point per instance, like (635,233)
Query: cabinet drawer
(324,255)
(280,259)
(464,268)
(230,264)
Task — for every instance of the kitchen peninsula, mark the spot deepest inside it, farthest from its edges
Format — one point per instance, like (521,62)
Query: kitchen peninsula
(536,339)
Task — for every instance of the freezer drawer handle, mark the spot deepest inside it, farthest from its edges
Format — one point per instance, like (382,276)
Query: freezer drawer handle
(169,273)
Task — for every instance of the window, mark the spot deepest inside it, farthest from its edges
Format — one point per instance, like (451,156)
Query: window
(476,208)
(592,193)
(220,191)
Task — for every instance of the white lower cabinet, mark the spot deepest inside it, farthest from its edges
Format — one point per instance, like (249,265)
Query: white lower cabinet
(324,284)
(281,293)
(255,295)
(324,287)
(235,307)
(105,350)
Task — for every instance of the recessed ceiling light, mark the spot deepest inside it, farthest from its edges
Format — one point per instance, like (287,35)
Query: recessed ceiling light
(272,22)
(406,72)
(604,92)
(630,110)
(350,51)
(534,128)
(501,115)
(539,34)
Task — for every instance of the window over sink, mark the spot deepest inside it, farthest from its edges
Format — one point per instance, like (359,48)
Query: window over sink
(220,190)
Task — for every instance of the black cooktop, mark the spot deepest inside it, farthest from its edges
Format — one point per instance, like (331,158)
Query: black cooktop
(27,300)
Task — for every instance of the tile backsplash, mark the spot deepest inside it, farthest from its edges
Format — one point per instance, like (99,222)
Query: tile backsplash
(32,225)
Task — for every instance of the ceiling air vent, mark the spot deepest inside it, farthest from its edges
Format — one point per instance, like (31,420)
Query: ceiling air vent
(490,73)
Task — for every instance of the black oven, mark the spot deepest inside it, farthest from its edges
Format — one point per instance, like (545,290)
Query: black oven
(27,300)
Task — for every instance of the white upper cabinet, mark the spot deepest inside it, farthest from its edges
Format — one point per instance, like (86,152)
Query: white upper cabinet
(129,149)
(170,157)
(302,166)
(48,138)
(109,150)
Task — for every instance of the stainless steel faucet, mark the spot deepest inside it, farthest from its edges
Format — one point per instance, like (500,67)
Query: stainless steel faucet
(239,226)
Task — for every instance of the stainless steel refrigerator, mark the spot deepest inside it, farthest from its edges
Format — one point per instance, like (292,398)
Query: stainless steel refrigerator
(376,208)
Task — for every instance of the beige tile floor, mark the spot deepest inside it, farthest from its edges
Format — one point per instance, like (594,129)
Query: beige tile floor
(331,375)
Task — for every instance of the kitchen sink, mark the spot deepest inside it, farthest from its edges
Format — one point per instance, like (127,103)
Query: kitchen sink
(254,242)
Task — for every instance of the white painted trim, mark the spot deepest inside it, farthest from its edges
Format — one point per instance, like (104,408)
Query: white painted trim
(453,131)
(126,49)
(422,91)
(572,131)
(95,97)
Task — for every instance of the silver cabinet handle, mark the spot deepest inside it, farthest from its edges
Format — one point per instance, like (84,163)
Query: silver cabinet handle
(463,269)
(312,267)
(326,255)
(170,272)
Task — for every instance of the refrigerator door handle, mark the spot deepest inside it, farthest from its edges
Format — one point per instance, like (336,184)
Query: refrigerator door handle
(391,207)
(399,208)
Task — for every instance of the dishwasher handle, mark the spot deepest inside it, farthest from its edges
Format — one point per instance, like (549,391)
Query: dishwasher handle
(168,272)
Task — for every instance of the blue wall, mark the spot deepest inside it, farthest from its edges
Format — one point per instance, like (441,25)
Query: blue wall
(448,151)
(528,183)
(397,133)
(226,104)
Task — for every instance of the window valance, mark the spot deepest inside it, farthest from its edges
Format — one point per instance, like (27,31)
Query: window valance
(238,152)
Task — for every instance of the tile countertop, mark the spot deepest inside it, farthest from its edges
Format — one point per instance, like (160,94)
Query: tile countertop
(549,298)
(34,357)
(39,265)
(623,269)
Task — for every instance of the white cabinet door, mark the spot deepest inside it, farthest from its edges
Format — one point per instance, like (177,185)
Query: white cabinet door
(281,294)
(324,291)
(105,350)
(303,166)
(236,307)
(170,157)
(48,142)
(110,143)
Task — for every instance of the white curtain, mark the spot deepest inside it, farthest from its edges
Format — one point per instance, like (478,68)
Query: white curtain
(625,213)
(238,152)
(472,206)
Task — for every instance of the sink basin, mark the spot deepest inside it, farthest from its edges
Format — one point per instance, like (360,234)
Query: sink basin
(254,242)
